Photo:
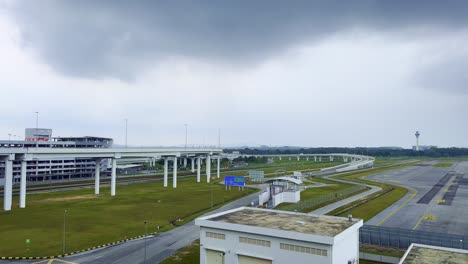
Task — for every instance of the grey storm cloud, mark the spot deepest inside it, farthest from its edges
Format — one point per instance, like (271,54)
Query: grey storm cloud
(96,39)
(449,74)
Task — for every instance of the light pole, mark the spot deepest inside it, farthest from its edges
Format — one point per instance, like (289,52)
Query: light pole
(9,137)
(146,232)
(185,135)
(211,184)
(126,132)
(64,222)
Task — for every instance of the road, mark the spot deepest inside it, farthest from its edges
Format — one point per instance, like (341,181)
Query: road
(328,208)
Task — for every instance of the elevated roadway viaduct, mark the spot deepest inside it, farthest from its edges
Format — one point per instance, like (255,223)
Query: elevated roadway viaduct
(22,155)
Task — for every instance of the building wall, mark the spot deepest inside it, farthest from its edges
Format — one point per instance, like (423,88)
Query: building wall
(264,197)
(232,248)
(286,197)
(346,247)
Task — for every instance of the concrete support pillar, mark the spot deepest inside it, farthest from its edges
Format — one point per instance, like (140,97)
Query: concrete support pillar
(331,158)
(315,158)
(166,165)
(307,159)
(198,168)
(185,162)
(24,168)
(174,174)
(218,167)
(298,158)
(289,158)
(97,176)
(113,176)
(320,159)
(208,168)
(8,187)
(280,157)
(192,161)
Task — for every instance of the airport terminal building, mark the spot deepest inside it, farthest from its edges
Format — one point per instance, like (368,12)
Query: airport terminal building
(55,169)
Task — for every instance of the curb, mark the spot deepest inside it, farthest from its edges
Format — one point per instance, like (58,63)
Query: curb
(79,251)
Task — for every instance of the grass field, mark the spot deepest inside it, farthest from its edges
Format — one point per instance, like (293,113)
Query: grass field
(95,220)
(187,255)
(443,165)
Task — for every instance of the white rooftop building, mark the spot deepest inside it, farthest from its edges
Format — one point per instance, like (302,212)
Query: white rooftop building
(259,236)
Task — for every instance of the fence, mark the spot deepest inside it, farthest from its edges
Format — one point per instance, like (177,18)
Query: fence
(314,202)
(403,238)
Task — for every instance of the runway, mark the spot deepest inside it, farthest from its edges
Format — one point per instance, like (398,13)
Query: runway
(437,200)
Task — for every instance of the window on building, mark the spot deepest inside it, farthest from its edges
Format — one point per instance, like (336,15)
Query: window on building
(216,235)
(252,241)
(307,250)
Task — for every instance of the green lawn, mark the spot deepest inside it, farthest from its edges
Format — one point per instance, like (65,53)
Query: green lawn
(187,255)
(443,165)
(92,221)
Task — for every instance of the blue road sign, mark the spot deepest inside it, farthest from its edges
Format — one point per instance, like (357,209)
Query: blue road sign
(234,180)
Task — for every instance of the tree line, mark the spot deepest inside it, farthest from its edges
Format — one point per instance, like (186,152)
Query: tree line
(379,152)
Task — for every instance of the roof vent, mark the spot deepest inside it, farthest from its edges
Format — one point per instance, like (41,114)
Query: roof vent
(300,222)
(350,218)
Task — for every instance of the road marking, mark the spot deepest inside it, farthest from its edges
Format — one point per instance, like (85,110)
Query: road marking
(422,217)
(52,261)
(440,201)
(394,181)
(429,217)
(399,207)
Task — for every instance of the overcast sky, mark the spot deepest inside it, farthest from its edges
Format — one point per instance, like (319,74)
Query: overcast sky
(303,73)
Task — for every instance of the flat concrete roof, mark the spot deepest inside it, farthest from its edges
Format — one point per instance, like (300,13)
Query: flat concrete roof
(287,221)
(429,254)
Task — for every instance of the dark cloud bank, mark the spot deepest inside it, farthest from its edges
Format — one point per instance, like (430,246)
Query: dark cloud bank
(96,39)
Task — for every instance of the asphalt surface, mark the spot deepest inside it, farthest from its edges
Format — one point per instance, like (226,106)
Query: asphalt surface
(432,204)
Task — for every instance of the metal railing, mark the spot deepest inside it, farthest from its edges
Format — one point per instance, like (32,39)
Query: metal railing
(403,238)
